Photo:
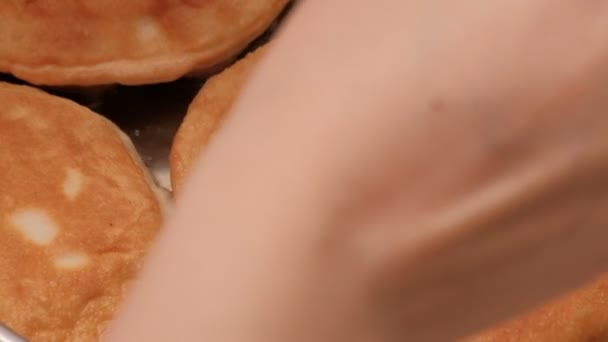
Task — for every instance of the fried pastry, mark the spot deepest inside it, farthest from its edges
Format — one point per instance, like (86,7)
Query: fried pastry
(77,213)
(92,42)
(581,316)
(205,115)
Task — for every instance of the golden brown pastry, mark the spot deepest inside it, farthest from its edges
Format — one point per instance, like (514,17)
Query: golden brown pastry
(92,42)
(578,317)
(206,114)
(77,212)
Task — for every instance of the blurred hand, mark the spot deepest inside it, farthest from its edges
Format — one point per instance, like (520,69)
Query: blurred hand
(394,171)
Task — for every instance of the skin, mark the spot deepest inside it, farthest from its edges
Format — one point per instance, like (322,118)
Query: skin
(403,171)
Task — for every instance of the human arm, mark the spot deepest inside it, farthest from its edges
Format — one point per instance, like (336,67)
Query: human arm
(407,170)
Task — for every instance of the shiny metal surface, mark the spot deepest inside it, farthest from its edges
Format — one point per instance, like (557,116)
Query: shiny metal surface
(7,335)
(150,115)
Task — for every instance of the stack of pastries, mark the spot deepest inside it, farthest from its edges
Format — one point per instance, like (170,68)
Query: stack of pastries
(79,208)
